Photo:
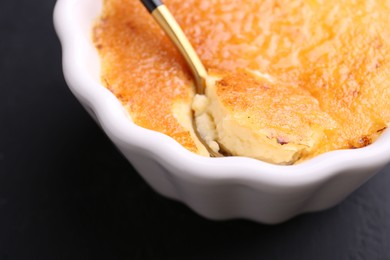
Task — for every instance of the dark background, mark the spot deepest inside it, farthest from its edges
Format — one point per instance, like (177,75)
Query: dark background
(66,193)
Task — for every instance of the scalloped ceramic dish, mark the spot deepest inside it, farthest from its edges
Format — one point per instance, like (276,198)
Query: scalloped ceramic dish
(217,188)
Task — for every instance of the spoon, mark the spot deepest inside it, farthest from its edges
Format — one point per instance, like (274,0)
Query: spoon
(169,25)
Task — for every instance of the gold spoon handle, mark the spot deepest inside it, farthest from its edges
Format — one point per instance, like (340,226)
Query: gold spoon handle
(168,23)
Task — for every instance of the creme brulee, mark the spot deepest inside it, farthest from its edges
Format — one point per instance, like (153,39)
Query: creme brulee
(291,79)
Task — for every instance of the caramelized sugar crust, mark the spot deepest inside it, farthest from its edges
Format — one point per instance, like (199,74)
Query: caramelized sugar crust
(336,52)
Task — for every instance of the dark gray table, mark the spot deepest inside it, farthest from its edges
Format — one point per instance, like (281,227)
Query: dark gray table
(66,193)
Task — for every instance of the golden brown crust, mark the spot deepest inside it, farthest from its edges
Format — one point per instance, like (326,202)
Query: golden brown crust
(335,53)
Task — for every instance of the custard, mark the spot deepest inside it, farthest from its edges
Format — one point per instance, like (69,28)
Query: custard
(254,116)
(327,64)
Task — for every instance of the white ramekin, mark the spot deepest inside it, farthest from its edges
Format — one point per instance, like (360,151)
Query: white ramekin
(217,188)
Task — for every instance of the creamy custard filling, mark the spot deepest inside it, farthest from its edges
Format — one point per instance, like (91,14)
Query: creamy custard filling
(318,74)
